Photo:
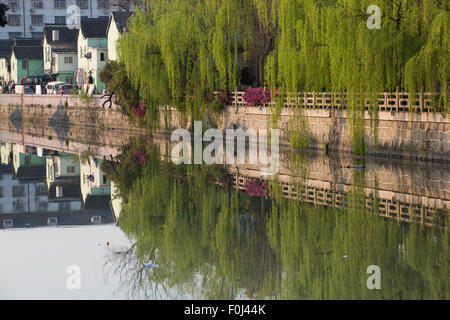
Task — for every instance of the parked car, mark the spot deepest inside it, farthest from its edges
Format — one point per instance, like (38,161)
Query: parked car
(27,90)
(52,87)
(65,88)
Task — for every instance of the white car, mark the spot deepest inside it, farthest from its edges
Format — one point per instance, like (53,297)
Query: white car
(52,87)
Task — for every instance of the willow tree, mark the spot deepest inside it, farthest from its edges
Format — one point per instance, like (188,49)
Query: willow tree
(177,51)
(328,46)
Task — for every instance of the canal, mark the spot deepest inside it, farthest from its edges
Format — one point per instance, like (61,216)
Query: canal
(103,213)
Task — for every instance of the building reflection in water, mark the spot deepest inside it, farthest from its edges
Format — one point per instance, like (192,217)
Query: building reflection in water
(41,187)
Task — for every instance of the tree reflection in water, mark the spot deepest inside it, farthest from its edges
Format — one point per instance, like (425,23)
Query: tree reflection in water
(213,241)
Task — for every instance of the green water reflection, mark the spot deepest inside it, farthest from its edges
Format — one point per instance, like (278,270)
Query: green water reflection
(213,241)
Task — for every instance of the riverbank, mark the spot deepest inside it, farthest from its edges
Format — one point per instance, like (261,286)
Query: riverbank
(421,136)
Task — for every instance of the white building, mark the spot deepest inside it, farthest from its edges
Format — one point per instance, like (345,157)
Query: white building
(26,18)
(60,167)
(93,180)
(28,193)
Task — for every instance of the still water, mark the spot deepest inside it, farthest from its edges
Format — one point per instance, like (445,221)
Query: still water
(108,202)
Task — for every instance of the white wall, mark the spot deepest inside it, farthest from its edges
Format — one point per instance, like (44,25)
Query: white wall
(61,66)
(31,201)
(63,164)
(95,63)
(49,12)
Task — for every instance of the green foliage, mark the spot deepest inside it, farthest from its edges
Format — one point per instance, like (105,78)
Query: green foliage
(176,50)
(428,70)
(126,95)
(299,130)
(3,9)
(85,98)
(277,248)
(86,155)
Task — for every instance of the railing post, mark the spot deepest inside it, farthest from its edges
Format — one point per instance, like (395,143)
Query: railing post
(314,99)
(397,99)
(386,94)
(305,100)
(236,100)
(422,218)
(421,100)
(332,101)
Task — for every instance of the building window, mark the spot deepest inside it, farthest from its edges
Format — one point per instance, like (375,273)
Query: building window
(69,80)
(1,192)
(36,35)
(43,205)
(18,191)
(83,4)
(60,19)
(13,5)
(64,206)
(37,19)
(70,169)
(37,4)
(13,35)
(14,20)
(102,56)
(19,205)
(60,4)
(41,190)
(102,4)
(105,179)
(25,67)
(67,60)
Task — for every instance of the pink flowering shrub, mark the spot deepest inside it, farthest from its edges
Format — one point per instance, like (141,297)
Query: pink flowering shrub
(225,97)
(140,156)
(220,101)
(256,96)
(257,189)
(139,109)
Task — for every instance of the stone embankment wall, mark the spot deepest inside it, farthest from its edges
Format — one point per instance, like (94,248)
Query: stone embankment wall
(424,136)
(414,135)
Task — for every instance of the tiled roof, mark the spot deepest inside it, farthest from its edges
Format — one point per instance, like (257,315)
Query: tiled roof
(66,35)
(5,48)
(5,168)
(121,19)
(65,50)
(27,42)
(70,189)
(94,28)
(27,52)
(65,218)
(97,202)
(35,173)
